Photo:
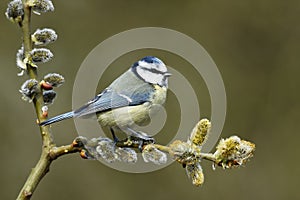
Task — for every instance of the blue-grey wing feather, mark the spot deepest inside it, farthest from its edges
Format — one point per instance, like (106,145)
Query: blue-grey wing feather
(109,99)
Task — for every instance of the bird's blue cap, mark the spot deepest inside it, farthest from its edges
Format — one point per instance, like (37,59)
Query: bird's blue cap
(152,59)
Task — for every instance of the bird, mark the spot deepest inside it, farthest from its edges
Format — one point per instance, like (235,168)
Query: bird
(127,100)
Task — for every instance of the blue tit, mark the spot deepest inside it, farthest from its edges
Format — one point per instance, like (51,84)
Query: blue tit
(127,100)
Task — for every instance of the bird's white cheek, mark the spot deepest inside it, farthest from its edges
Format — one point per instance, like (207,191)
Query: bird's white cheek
(150,77)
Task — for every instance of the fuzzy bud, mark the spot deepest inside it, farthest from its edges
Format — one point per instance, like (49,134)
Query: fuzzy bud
(15,11)
(54,79)
(79,141)
(126,155)
(29,89)
(106,150)
(184,153)
(200,133)
(233,152)
(46,86)
(41,6)
(40,55)
(194,172)
(151,154)
(85,155)
(20,61)
(89,147)
(45,111)
(43,36)
(49,96)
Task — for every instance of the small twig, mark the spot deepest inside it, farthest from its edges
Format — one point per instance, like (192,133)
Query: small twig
(165,149)
(56,152)
(208,156)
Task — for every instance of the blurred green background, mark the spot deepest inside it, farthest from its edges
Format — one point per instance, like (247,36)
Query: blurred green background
(255,45)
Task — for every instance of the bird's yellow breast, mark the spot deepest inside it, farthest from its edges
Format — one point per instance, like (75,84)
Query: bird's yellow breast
(129,115)
(125,116)
(159,97)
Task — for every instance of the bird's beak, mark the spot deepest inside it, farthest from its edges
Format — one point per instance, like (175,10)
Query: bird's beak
(167,74)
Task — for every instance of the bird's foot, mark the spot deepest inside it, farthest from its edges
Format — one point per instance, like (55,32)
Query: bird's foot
(142,141)
(142,138)
(136,139)
(115,138)
(135,142)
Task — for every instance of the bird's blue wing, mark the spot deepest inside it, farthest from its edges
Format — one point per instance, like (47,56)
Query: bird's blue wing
(109,99)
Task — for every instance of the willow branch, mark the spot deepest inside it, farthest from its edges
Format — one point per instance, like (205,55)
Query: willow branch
(42,167)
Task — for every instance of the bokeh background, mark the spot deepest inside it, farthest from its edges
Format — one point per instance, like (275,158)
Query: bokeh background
(255,45)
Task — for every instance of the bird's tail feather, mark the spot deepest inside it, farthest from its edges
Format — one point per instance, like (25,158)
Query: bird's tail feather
(57,118)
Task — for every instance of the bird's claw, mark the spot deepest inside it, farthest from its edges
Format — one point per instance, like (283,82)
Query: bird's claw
(142,141)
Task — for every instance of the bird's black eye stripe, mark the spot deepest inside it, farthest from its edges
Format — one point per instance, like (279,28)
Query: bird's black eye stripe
(153,70)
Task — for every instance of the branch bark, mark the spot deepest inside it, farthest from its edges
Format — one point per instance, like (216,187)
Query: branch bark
(42,168)
(49,149)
